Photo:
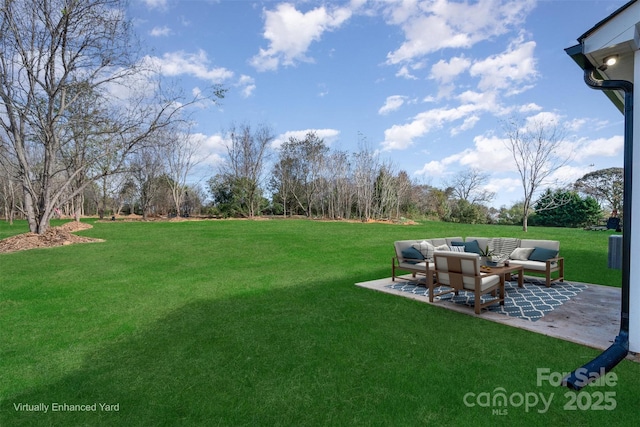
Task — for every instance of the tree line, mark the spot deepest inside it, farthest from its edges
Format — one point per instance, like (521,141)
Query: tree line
(304,177)
(88,127)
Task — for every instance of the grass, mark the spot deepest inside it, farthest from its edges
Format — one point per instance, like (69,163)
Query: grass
(258,323)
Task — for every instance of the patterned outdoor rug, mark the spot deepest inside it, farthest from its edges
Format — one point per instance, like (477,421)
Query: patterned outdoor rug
(530,302)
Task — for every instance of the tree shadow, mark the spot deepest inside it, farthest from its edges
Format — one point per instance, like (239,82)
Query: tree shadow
(265,357)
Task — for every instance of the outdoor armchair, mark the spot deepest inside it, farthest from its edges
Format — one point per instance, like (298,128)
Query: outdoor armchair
(460,271)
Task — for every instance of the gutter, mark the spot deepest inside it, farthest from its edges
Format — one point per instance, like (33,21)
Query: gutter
(613,355)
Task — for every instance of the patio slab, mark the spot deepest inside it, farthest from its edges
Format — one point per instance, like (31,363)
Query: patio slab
(590,318)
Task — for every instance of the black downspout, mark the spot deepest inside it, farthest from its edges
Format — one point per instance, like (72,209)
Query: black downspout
(608,359)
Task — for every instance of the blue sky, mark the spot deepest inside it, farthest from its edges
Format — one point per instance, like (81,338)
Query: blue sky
(426,83)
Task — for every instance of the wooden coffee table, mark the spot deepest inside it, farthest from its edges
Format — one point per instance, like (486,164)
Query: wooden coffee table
(505,272)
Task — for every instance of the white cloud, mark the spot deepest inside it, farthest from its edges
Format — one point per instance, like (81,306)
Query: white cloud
(156,4)
(546,118)
(435,25)
(433,168)
(529,107)
(586,150)
(576,124)
(405,73)
(508,70)
(211,150)
(400,137)
(446,72)
(194,64)
(247,85)
(392,104)
(468,123)
(488,154)
(328,135)
(501,186)
(501,74)
(291,32)
(160,31)
(486,101)
(565,175)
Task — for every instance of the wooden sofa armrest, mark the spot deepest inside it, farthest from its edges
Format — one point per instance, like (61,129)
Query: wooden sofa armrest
(426,270)
(560,269)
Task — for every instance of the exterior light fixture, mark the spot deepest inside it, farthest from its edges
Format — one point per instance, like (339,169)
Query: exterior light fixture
(608,61)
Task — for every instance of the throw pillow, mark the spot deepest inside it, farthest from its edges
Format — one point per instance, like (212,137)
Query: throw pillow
(472,246)
(542,254)
(412,255)
(442,248)
(457,243)
(521,254)
(456,248)
(425,248)
(502,247)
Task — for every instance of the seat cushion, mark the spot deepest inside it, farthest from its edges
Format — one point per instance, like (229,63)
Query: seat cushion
(420,266)
(533,265)
(486,282)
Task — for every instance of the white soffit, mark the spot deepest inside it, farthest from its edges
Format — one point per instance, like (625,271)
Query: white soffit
(617,36)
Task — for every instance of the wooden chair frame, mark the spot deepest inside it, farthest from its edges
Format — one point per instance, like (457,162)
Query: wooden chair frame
(456,277)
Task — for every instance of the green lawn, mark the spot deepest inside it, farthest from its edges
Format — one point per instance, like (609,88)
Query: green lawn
(259,323)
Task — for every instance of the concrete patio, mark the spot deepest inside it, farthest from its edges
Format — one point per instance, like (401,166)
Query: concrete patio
(591,318)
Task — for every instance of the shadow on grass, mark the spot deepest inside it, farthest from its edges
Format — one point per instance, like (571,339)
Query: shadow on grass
(283,357)
(321,354)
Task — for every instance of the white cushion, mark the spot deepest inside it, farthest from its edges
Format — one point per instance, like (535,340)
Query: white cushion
(547,244)
(425,248)
(521,254)
(485,283)
(421,266)
(533,265)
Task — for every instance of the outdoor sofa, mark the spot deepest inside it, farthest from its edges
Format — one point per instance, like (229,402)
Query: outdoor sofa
(535,256)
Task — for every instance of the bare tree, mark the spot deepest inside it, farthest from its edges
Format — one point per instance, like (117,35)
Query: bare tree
(534,147)
(180,151)
(8,183)
(339,190)
(246,156)
(300,166)
(282,182)
(366,167)
(404,187)
(468,184)
(148,171)
(54,53)
(386,192)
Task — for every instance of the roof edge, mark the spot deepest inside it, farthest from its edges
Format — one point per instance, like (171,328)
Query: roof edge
(605,20)
(575,52)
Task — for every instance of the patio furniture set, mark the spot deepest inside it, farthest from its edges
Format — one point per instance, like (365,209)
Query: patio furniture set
(463,265)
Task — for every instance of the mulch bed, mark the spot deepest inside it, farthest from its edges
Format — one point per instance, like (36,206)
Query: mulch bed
(54,236)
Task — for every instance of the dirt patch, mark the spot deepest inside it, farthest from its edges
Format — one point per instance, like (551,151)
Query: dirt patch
(54,236)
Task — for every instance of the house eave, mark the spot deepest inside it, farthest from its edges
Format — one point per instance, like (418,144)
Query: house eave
(575,52)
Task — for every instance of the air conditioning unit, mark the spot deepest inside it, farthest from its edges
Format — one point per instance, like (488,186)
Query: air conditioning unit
(615,252)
